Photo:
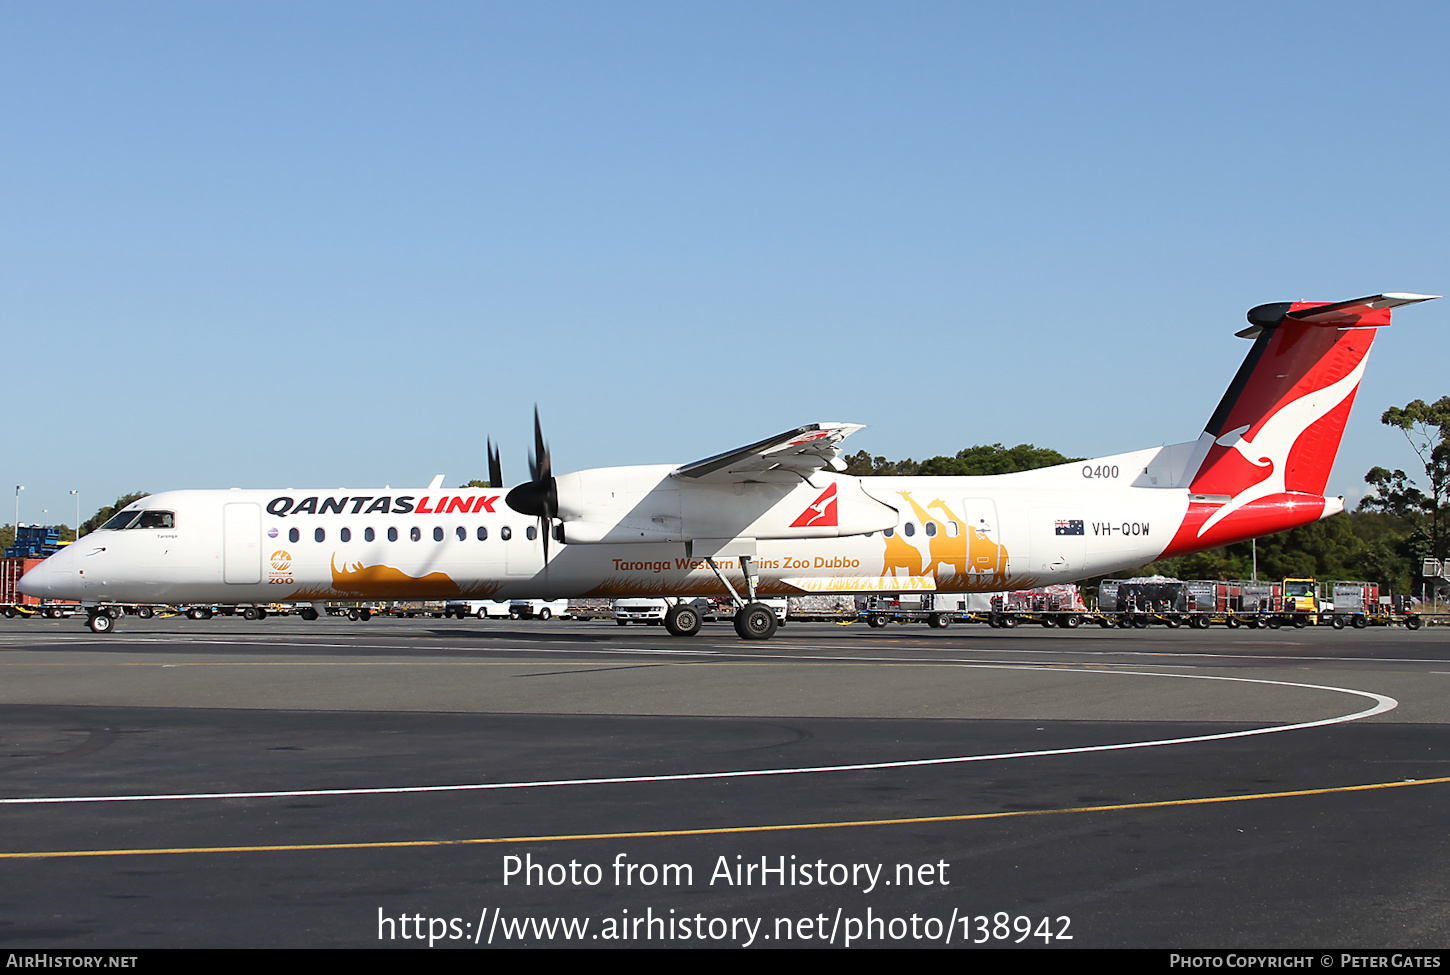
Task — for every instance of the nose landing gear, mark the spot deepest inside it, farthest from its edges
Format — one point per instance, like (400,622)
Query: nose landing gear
(100,620)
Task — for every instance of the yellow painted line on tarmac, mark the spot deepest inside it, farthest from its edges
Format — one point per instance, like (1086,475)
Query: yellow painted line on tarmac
(725,830)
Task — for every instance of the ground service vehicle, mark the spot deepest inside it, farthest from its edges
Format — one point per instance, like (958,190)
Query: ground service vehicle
(538,609)
(637,610)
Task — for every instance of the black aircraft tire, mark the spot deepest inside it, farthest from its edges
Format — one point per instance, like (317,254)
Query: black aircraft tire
(101,623)
(683,620)
(755,621)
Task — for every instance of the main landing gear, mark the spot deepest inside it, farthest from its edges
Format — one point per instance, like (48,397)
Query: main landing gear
(682,619)
(753,620)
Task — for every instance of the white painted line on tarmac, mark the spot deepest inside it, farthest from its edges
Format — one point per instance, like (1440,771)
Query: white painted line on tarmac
(1381,705)
(735,649)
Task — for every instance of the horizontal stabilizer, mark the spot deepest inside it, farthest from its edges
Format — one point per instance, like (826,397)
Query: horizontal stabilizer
(1366,312)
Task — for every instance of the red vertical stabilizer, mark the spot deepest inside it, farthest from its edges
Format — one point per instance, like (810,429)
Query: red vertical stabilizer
(1270,446)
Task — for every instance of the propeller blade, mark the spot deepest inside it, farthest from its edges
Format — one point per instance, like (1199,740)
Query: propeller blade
(495,469)
(540,496)
(540,465)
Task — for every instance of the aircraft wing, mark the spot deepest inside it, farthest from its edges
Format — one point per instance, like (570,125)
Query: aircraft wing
(801,451)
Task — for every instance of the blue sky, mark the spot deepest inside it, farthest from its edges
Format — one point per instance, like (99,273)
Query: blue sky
(342,243)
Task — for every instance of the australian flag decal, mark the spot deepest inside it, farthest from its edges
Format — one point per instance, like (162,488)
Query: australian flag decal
(1073,527)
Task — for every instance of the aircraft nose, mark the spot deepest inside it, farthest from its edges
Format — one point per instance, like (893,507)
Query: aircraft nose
(48,580)
(36,582)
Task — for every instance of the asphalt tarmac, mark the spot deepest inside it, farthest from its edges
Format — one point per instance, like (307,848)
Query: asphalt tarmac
(441,783)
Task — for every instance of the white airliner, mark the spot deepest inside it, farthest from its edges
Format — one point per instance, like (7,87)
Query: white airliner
(775,518)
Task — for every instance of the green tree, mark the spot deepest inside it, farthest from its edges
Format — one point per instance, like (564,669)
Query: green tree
(1427,428)
(1394,494)
(863,464)
(983,460)
(975,461)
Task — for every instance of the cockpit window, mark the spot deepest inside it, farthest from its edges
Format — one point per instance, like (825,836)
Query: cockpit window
(156,519)
(119,520)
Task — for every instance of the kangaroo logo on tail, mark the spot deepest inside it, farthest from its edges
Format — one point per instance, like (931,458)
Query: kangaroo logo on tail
(1271,445)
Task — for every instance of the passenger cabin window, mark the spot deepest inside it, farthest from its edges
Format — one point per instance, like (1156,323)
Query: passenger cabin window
(931,529)
(505,533)
(293,535)
(319,535)
(531,533)
(415,533)
(392,534)
(369,534)
(482,534)
(909,528)
(437,534)
(462,533)
(345,534)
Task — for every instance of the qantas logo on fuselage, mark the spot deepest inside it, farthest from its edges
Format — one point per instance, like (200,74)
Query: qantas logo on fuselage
(820,513)
(386,505)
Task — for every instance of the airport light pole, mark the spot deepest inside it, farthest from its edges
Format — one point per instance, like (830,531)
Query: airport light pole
(18,489)
(77,496)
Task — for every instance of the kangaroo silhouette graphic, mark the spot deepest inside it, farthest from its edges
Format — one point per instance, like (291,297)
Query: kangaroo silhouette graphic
(1271,445)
